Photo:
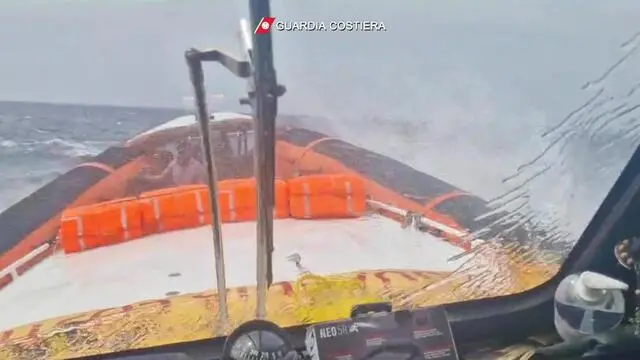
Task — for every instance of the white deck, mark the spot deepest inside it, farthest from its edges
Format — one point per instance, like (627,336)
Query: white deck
(139,270)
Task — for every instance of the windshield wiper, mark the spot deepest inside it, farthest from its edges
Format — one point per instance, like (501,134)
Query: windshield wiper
(263,92)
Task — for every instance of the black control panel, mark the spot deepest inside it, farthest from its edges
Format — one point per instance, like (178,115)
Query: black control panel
(423,333)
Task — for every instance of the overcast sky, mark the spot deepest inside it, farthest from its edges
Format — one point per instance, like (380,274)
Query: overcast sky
(130,52)
(449,82)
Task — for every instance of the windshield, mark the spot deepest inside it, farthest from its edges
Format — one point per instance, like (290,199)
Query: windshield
(428,154)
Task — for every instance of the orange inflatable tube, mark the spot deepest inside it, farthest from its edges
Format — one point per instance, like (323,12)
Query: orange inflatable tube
(34,221)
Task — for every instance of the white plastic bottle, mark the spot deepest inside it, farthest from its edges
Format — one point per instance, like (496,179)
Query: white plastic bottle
(588,305)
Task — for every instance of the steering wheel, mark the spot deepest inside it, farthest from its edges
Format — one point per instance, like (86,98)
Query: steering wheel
(409,348)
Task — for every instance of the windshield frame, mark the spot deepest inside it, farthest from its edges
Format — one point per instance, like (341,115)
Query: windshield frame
(522,313)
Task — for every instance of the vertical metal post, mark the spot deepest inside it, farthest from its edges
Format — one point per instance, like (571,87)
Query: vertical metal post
(264,223)
(264,101)
(202,114)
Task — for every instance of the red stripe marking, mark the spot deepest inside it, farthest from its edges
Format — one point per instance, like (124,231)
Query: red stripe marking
(5,280)
(34,261)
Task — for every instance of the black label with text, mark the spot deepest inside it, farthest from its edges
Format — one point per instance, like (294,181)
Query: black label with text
(352,339)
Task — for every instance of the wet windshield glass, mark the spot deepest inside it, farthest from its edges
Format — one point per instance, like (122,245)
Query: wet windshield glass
(424,155)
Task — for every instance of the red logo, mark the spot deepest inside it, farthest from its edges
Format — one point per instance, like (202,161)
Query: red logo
(264,26)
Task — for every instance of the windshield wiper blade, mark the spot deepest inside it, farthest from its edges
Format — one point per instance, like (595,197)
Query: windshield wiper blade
(263,92)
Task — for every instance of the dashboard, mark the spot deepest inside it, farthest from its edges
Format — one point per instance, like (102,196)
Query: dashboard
(297,347)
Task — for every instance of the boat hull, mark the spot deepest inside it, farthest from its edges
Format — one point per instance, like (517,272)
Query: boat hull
(32,223)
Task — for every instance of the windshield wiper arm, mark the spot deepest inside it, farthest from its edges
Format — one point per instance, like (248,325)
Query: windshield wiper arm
(194,61)
(263,92)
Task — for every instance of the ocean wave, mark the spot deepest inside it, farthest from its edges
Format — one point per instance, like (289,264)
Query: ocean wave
(57,147)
